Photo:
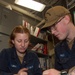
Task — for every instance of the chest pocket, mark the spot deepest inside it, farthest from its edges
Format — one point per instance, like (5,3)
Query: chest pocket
(64,57)
(14,67)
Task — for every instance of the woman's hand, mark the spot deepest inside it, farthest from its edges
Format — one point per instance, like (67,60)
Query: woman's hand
(22,72)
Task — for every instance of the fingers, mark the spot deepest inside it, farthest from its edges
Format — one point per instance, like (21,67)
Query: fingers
(45,73)
(24,69)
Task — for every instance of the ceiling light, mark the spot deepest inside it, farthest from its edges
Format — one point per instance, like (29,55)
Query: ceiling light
(31,4)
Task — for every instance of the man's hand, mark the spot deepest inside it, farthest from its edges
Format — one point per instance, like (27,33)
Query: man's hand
(72,71)
(51,72)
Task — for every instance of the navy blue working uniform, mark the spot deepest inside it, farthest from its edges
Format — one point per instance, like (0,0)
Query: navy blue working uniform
(64,56)
(10,63)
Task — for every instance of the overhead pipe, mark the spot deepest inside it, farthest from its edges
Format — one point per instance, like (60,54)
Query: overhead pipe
(43,21)
(70,3)
(14,7)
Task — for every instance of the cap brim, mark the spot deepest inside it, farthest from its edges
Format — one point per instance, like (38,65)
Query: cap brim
(49,24)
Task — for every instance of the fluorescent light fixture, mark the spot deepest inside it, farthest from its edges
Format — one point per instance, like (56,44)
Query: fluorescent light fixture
(31,4)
